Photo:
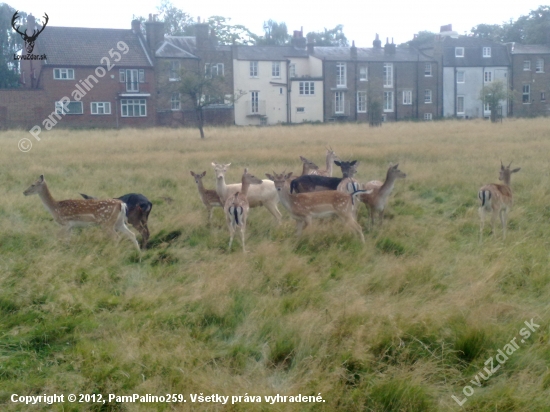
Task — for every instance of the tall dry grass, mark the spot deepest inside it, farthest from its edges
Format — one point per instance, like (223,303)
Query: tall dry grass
(399,324)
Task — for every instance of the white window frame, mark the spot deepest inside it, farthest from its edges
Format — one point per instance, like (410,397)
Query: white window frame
(306,88)
(363,73)
(126,104)
(362,101)
(254,69)
(255,102)
(428,116)
(486,52)
(542,96)
(339,102)
(292,70)
(174,71)
(388,101)
(526,91)
(63,74)
(175,101)
(60,107)
(458,100)
(488,76)
(459,51)
(539,66)
(527,65)
(407,97)
(276,70)
(100,108)
(460,76)
(428,96)
(213,70)
(486,108)
(341,80)
(388,75)
(427,70)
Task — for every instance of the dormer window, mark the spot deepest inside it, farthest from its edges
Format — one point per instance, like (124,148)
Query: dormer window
(459,51)
(486,52)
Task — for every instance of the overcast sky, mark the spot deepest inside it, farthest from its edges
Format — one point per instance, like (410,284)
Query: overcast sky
(399,19)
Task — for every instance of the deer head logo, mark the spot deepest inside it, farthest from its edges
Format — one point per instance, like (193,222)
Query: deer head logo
(29,40)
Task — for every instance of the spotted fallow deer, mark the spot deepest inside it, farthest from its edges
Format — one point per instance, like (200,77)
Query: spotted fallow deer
(258,195)
(377,199)
(308,167)
(496,199)
(236,207)
(109,213)
(209,197)
(303,207)
(330,159)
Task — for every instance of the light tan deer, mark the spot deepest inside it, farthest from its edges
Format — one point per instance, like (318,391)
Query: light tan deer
(330,158)
(303,207)
(236,207)
(258,195)
(377,199)
(308,166)
(496,199)
(209,198)
(109,213)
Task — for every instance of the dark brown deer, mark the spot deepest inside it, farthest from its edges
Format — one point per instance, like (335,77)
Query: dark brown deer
(29,40)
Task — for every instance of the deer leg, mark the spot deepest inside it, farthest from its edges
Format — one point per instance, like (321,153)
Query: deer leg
(299,227)
(144,235)
(231,233)
(356,227)
(272,207)
(493,223)
(481,213)
(503,221)
(210,210)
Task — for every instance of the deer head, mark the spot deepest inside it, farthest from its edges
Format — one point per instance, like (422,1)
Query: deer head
(29,40)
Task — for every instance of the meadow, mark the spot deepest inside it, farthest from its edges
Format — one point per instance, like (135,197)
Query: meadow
(401,323)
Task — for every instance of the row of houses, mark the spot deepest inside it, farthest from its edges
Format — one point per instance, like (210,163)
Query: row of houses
(120,78)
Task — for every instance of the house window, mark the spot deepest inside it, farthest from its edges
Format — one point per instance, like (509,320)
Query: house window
(388,74)
(427,116)
(339,102)
(427,70)
(486,52)
(527,65)
(174,74)
(407,97)
(460,105)
(526,95)
(341,74)
(542,96)
(175,101)
(427,96)
(63,74)
(362,102)
(69,108)
(300,109)
(254,102)
(132,78)
(363,73)
(388,101)
(100,108)
(539,68)
(307,88)
(292,70)
(253,69)
(459,51)
(488,77)
(213,70)
(133,108)
(486,107)
(460,76)
(275,69)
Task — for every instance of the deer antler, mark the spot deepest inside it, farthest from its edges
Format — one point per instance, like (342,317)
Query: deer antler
(15,16)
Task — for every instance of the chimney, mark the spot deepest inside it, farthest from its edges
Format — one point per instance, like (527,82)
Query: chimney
(31,24)
(353,51)
(447,27)
(136,26)
(201,35)
(154,31)
(311,47)
(298,39)
(377,44)
(389,48)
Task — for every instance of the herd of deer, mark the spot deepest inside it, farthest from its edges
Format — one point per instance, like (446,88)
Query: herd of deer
(313,194)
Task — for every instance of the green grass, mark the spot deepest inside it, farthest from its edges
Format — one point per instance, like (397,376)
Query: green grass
(400,323)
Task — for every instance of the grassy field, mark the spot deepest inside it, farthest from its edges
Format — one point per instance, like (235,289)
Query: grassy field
(401,323)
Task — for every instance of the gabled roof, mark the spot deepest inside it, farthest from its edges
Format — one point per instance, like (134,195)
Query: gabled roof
(517,48)
(473,52)
(183,47)
(268,52)
(79,46)
(370,54)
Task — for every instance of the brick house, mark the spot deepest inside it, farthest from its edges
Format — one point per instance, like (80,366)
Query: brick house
(530,79)
(403,81)
(90,78)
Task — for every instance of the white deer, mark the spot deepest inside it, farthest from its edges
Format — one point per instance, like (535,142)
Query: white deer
(109,213)
(236,207)
(496,199)
(209,198)
(258,195)
(303,207)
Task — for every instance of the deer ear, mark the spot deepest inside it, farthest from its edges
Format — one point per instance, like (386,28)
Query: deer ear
(192,174)
(41,178)
(353,162)
(214,164)
(516,170)
(337,163)
(227,165)
(396,166)
(288,175)
(269,176)
(203,174)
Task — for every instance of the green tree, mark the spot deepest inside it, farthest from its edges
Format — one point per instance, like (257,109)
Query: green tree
(275,34)
(176,21)
(493,94)
(230,34)
(334,37)
(10,44)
